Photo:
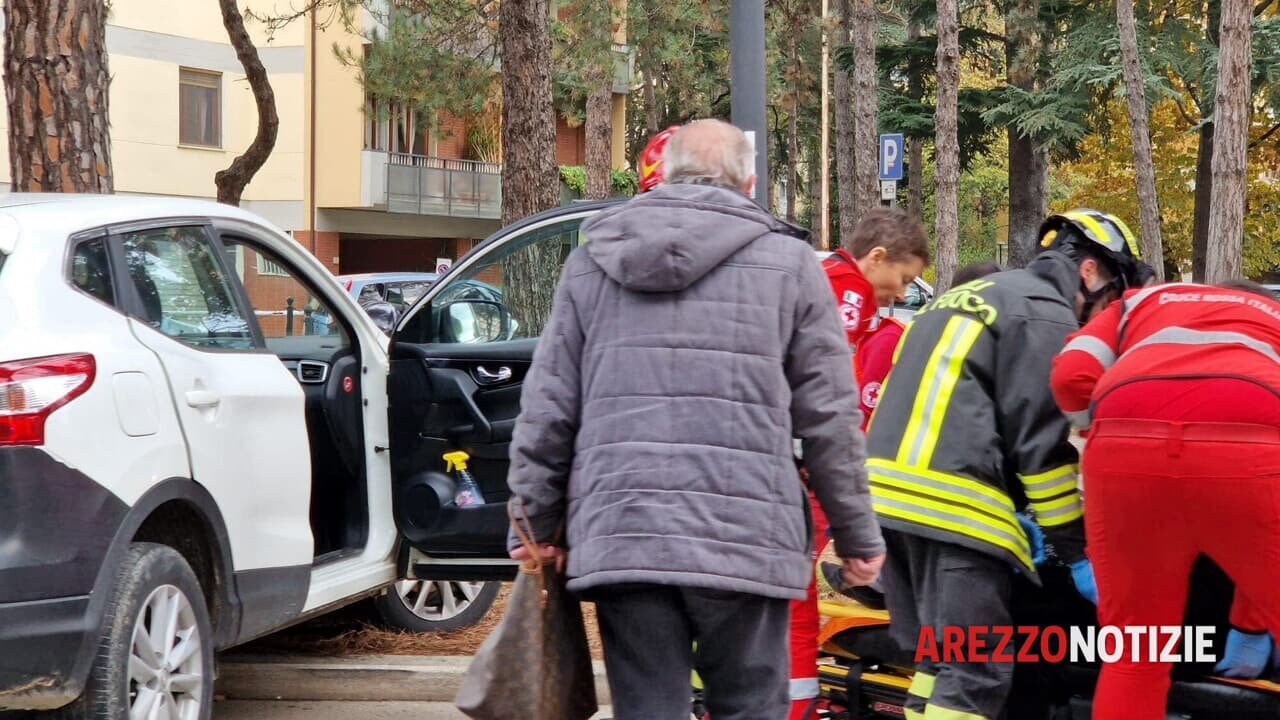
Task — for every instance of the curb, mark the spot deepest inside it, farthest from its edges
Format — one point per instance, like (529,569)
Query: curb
(368,678)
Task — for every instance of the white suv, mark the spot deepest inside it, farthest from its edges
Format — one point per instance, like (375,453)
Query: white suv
(197,448)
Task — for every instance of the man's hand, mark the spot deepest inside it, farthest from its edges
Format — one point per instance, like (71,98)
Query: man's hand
(857,571)
(548,553)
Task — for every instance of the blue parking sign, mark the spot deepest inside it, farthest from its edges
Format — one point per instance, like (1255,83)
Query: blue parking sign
(891,146)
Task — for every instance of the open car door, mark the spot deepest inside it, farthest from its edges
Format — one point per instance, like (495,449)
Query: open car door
(458,360)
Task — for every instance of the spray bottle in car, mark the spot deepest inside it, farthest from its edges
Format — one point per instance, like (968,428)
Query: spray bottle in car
(468,491)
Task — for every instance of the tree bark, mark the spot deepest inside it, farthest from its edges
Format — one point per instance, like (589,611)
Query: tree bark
(650,105)
(1028,166)
(56,83)
(1143,164)
(846,190)
(528,115)
(793,147)
(947,142)
(866,143)
(1204,154)
(232,181)
(599,160)
(1230,143)
(1203,199)
(529,175)
(915,146)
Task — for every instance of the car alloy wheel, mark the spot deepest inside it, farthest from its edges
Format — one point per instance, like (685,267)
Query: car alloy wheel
(437,600)
(166,669)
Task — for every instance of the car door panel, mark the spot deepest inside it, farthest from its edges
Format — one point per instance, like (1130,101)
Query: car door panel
(465,394)
(239,409)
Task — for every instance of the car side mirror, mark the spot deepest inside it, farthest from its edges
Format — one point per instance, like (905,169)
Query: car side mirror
(474,321)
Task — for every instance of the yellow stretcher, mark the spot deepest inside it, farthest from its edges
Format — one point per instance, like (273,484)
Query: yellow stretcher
(857,685)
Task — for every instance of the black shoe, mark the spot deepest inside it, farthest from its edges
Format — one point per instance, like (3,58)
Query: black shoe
(864,594)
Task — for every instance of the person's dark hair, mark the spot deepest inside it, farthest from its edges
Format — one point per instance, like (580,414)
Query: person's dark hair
(1248,286)
(891,229)
(973,271)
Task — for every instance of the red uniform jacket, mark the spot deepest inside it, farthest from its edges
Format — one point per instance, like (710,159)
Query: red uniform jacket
(854,294)
(1180,353)
(873,361)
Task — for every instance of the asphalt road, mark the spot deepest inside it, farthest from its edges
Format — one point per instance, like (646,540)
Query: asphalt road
(285,710)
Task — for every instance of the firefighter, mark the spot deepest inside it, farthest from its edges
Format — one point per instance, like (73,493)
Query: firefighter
(1187,378)
(966,407)
(873,362)
(883,256)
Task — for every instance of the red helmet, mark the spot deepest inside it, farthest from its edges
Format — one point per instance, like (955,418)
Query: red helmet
(651,159)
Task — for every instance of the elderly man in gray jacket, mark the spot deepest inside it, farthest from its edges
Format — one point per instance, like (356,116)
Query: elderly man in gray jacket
(691,338)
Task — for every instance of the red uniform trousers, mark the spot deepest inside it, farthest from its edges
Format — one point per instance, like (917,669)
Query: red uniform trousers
(1157,494)
(805,623)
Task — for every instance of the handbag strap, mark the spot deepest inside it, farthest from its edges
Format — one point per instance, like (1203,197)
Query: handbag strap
(524,533)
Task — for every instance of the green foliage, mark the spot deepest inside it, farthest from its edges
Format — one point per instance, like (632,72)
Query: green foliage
(623,183)
(581,54)
(434,55)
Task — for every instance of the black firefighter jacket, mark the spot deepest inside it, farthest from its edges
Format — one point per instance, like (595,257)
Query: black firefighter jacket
(967,432)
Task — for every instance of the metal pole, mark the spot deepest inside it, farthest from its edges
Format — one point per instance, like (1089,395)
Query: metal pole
(824,192)
(747,83)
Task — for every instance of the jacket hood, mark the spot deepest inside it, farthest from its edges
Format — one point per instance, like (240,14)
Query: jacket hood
(667,239)
(1059,271)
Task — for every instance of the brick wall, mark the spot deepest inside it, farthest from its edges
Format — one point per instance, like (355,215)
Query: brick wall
(270,293)
(451,137)
(327,247)
(571,143)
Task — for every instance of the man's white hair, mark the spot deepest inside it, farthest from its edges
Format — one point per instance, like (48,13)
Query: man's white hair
(709,151)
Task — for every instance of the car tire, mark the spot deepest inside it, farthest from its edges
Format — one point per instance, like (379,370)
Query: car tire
(421,606)
(155,591)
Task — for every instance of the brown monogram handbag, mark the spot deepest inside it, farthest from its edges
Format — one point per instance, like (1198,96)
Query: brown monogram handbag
(535,665)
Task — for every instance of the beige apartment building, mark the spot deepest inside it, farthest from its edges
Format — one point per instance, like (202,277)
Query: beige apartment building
(364,191)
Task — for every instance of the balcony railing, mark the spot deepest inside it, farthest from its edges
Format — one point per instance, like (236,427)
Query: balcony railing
(424,185)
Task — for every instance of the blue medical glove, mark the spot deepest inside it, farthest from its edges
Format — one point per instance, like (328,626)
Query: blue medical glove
(1246,655)
(1082,577)
(1035,536)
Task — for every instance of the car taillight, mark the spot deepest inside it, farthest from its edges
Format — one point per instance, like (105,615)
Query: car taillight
(30,390)
(347,286)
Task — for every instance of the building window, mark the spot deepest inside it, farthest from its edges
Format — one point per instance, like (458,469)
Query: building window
(199,108)
(268,267)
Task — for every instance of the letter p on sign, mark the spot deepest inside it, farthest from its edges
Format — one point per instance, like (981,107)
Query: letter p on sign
(891,145)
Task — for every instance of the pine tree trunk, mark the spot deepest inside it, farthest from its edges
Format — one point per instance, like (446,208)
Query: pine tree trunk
(866,143)
(56,82)
(793,158)
(1204,200)
(846,190)
(650,105)
(599,160)
(1143,164)
(1230,143)
(947,142)
(915,146)
(915,179)
(528,116)
(1028,167)
(232,181)
(529,175)
(1204,155)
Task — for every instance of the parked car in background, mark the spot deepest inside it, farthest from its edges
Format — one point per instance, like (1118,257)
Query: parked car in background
(400,289)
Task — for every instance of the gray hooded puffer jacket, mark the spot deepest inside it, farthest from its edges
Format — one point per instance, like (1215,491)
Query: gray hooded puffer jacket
(691,338)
